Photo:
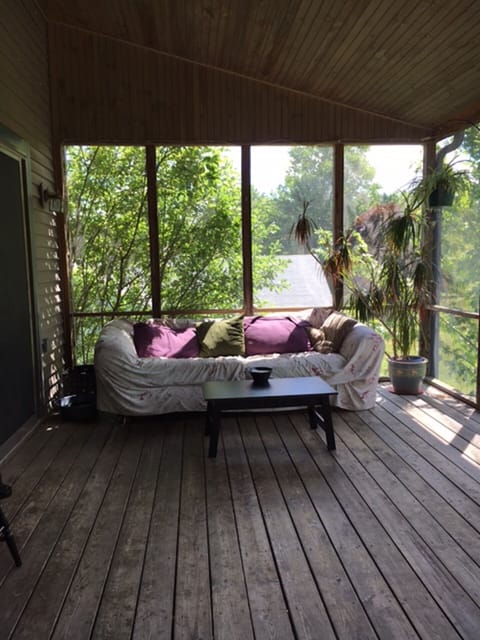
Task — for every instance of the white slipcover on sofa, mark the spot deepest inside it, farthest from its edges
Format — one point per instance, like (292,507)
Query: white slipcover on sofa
(130,385)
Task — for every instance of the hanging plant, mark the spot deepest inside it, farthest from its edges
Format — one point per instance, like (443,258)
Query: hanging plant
(439,187)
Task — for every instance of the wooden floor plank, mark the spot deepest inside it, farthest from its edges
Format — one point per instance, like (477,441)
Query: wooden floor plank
(357,498)
(438,538)
(231,612)
(365,570)
(456,421)
(267,604)
(129,530)
(451,406)
(79,611)
(193,607)
(349,621)
(156,600)
(448,504)
(440,583)
(468,494)
(36,554)
(398,407)
(44,607)
(32,475)
(454,431)
(124,578)
(42,492)
(307,610)
(22,455)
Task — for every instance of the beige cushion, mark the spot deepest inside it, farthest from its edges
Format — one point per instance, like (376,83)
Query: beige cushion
(336,328)
(318,341)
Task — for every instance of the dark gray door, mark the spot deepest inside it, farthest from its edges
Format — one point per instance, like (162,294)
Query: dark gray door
(17,374)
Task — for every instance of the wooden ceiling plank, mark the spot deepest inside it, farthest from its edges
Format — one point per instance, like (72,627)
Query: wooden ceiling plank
(470,77)
(442,101)
(431,57)
(317,48)
(279,20)
(323,25)
(429,60)
(360,58)
(292,50)
(244,38)
(375,43)
(338,19)
(348,46)
(435,95)
(397,89)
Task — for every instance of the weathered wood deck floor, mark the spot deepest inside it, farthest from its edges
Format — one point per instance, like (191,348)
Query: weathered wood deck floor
(129,531)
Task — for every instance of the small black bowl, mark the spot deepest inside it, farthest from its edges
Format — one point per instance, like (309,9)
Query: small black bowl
(260,375)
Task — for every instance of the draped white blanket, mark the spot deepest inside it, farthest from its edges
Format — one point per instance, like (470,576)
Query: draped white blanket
(129,385)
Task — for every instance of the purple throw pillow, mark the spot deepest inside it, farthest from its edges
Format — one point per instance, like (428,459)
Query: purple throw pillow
(270,334)
(159,341)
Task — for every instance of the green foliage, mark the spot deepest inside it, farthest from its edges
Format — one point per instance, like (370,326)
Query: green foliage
(458,352)
(460,266)
(309,181)
(448,177)
(199,230)
(108,228)
(360,190)
(199,221)
(387,281)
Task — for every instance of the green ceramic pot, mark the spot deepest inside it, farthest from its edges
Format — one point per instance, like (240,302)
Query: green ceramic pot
(407,374)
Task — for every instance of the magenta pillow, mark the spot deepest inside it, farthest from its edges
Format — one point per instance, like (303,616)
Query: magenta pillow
(157,341)
(270,334)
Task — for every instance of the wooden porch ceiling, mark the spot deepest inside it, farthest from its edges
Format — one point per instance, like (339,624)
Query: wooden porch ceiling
(129,531)
(414,61)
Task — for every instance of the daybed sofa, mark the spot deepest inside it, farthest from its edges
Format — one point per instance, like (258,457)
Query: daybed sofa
(132,384)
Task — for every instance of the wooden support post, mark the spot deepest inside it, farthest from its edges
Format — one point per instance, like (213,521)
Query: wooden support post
(429,320)
(247,232)
(151,169)
(338,203)
(64,260)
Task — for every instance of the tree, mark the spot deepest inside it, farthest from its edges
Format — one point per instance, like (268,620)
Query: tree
(460,266)
(309,181)
(199,222)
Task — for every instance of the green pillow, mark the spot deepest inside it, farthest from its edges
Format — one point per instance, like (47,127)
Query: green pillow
(221,338)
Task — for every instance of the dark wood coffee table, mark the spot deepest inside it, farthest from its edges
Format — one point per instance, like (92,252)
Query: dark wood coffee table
(224,395)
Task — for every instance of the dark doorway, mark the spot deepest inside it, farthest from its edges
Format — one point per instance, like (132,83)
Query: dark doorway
(17,369)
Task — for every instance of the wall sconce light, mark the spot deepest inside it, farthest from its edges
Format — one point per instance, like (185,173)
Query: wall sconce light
(54,201)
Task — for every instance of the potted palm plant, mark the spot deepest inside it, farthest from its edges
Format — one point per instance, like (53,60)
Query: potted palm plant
(386,279)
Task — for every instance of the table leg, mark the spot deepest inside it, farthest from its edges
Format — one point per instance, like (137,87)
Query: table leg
(208,418)
(324,418)
(213,430)
(328,424)
(312,414)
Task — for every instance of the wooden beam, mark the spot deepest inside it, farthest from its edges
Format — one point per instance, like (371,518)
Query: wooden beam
(247,231)
(429,318)
(338,206)
(64,260)
(151,169)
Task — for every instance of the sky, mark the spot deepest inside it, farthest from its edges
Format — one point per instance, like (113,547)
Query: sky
(394,165)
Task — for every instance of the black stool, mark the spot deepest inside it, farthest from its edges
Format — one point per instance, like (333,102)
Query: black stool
(5,533)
